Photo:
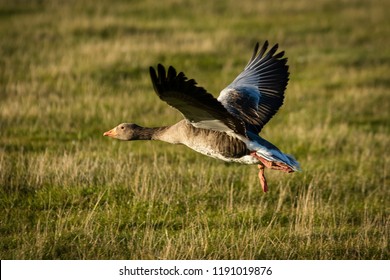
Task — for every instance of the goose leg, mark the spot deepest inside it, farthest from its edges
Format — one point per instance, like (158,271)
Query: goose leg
(263,181)
(273,165)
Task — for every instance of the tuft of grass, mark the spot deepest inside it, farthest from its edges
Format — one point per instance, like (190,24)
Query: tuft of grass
(69,72)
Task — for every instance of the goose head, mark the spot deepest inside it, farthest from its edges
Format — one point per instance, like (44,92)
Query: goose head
(125,131)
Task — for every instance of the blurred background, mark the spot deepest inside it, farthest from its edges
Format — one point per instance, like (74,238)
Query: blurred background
(70,70)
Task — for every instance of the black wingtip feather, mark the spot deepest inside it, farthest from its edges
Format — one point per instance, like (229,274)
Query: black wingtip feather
(171,73)
(154,78)
(256,53)
(161,73)
(264,48)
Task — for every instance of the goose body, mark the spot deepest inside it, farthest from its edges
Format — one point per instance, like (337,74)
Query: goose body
(226,128)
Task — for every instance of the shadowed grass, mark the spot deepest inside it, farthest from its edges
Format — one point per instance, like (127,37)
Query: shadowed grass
(70,71)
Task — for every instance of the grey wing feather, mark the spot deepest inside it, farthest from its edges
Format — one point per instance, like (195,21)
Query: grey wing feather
(198,106)
(258,92)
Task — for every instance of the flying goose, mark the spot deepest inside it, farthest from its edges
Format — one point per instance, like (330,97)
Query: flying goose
(226,128)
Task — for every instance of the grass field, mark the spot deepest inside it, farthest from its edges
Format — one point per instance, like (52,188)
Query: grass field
(70,70)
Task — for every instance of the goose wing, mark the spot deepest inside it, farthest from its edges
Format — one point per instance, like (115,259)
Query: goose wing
(258,91)
(198,106)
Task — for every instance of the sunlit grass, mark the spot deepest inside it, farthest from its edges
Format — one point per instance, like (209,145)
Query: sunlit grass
(70,71)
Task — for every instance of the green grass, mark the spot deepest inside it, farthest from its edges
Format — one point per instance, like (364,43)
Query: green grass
(70,71)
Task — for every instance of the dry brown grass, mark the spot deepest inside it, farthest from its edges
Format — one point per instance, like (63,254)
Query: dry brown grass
(70,72)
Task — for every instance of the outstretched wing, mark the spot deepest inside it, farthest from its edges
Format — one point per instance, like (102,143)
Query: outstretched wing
(258,92)
(198,106)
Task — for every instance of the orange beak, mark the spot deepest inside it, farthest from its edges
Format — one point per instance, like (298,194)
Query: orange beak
(110,133)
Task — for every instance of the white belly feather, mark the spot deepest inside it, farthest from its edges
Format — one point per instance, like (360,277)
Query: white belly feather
(248,159)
